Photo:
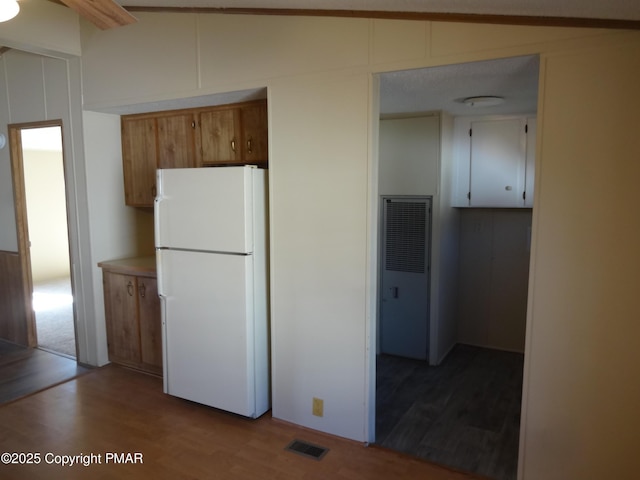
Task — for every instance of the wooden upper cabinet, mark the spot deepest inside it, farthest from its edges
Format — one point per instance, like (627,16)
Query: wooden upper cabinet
(255,133)
(220,136)
(176,141)
(235,134)
(139,154)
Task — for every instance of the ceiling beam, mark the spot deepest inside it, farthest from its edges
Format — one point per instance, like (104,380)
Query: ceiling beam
(104,14)
(578,22)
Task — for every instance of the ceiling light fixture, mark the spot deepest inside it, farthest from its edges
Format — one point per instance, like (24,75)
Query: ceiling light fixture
(8,9)
(485,101)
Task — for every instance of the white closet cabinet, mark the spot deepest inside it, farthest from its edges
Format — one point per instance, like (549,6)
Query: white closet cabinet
(530,172)
(494,161)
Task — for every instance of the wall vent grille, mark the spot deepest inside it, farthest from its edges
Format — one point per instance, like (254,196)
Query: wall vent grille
(405,236)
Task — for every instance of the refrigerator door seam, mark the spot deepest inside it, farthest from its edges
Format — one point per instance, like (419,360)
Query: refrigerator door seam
(216,252)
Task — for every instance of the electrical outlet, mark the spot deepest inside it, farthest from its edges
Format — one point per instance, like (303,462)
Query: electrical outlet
(318,407)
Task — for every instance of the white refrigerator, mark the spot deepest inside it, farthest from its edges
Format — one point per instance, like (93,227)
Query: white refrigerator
(211,254)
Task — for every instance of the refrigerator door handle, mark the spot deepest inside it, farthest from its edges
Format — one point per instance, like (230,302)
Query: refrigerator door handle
(156,216)
(163,323)
(156,206)
(159,273)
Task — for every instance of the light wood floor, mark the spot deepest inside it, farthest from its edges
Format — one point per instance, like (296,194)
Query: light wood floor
(26,370)
(113,409)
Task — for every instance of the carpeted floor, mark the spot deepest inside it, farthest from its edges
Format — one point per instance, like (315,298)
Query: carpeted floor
(53,304)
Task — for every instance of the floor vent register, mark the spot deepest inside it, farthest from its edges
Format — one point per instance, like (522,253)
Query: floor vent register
(307,449)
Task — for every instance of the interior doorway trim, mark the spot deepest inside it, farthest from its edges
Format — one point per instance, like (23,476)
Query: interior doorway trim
(19,194)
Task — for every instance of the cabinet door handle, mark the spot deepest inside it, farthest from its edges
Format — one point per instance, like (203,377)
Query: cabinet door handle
(130,288)
(249,146)
(143,290)
(233,145)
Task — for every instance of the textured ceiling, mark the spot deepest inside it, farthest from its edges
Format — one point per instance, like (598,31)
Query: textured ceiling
(443,88)
(607,9)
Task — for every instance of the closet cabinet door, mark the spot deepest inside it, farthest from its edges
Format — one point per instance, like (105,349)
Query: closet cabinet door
(134,326)
(121,311)
(150,324)
(531,162)
(176,141)
(498,152)
(254,133)
(220,136)
(139,157)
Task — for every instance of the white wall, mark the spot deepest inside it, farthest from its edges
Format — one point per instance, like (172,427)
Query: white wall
(494,275)
(409,156)
(446,251)
(47,214)
(582,365)
(318,251)
(35,88)
(114,227)
(44,28)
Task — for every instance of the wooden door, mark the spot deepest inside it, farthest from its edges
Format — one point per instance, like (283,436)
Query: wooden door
(176,141)
(121,305)
(18,320)
(255,133)
(139,159)
(220,136)
(150,323)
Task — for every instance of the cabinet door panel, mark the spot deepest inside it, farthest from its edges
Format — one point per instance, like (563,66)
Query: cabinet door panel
(220,136)
(139,160)
(497,162)
(531,161)
(176,141)
(121,307)
(254,123)
(150,324)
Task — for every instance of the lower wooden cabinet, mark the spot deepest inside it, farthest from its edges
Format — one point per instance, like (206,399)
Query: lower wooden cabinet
(132,311)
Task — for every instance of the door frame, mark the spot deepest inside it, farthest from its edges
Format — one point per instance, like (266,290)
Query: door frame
(19,195)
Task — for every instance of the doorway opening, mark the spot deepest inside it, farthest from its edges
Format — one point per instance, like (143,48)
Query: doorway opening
(41,211)
(460,406)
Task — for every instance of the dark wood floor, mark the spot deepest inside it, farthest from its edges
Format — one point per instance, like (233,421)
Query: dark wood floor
(464,413)
(24,371)
(113,409)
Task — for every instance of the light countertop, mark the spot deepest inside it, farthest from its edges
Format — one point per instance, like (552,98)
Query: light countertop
(141,266)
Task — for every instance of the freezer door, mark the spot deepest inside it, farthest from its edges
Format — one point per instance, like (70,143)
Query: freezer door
(209,209)
(208,328)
